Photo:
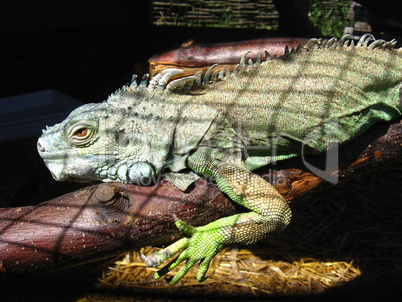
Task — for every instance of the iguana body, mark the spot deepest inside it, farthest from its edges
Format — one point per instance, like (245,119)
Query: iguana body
(264,113)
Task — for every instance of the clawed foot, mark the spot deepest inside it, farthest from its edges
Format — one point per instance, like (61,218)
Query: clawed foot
(202,245)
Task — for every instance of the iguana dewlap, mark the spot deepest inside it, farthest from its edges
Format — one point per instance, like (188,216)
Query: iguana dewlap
(326,93)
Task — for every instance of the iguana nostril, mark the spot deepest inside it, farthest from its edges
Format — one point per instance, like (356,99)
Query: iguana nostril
(41,148)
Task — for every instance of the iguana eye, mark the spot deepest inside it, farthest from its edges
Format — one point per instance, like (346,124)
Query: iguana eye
(81,134)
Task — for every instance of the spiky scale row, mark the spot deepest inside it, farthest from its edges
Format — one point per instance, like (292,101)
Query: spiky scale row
(162,79)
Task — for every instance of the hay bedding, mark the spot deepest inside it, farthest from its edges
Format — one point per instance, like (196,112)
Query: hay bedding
(237,272)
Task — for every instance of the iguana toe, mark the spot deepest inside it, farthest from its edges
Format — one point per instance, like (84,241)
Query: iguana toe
(201,247)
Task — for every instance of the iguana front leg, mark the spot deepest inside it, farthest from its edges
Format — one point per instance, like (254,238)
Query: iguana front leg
(271,214)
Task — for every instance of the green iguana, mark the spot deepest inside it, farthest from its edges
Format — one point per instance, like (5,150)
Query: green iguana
(326,92)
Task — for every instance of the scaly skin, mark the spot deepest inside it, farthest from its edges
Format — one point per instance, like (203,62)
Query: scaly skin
(328,93)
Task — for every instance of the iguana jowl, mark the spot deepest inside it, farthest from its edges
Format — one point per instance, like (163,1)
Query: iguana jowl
(328,92)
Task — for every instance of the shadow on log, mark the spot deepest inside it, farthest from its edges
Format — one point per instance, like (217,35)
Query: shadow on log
(108,219)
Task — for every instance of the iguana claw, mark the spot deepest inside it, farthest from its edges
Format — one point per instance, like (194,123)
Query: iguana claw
(185,228)
(157,258)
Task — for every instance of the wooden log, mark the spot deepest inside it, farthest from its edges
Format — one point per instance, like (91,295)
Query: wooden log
(100,221)
(192,56)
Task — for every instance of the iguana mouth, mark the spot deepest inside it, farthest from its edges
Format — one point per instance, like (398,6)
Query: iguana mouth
(56,170)
(55,155)
(65,154)
(59,177)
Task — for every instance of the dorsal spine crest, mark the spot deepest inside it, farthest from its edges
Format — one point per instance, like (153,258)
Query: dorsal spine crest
(162,80)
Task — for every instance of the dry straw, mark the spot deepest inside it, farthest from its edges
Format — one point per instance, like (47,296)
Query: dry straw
(238,272)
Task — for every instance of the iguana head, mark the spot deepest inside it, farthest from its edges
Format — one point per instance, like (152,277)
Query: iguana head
(121,140)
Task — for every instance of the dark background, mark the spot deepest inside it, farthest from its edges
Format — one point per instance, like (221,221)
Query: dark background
(86,49)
